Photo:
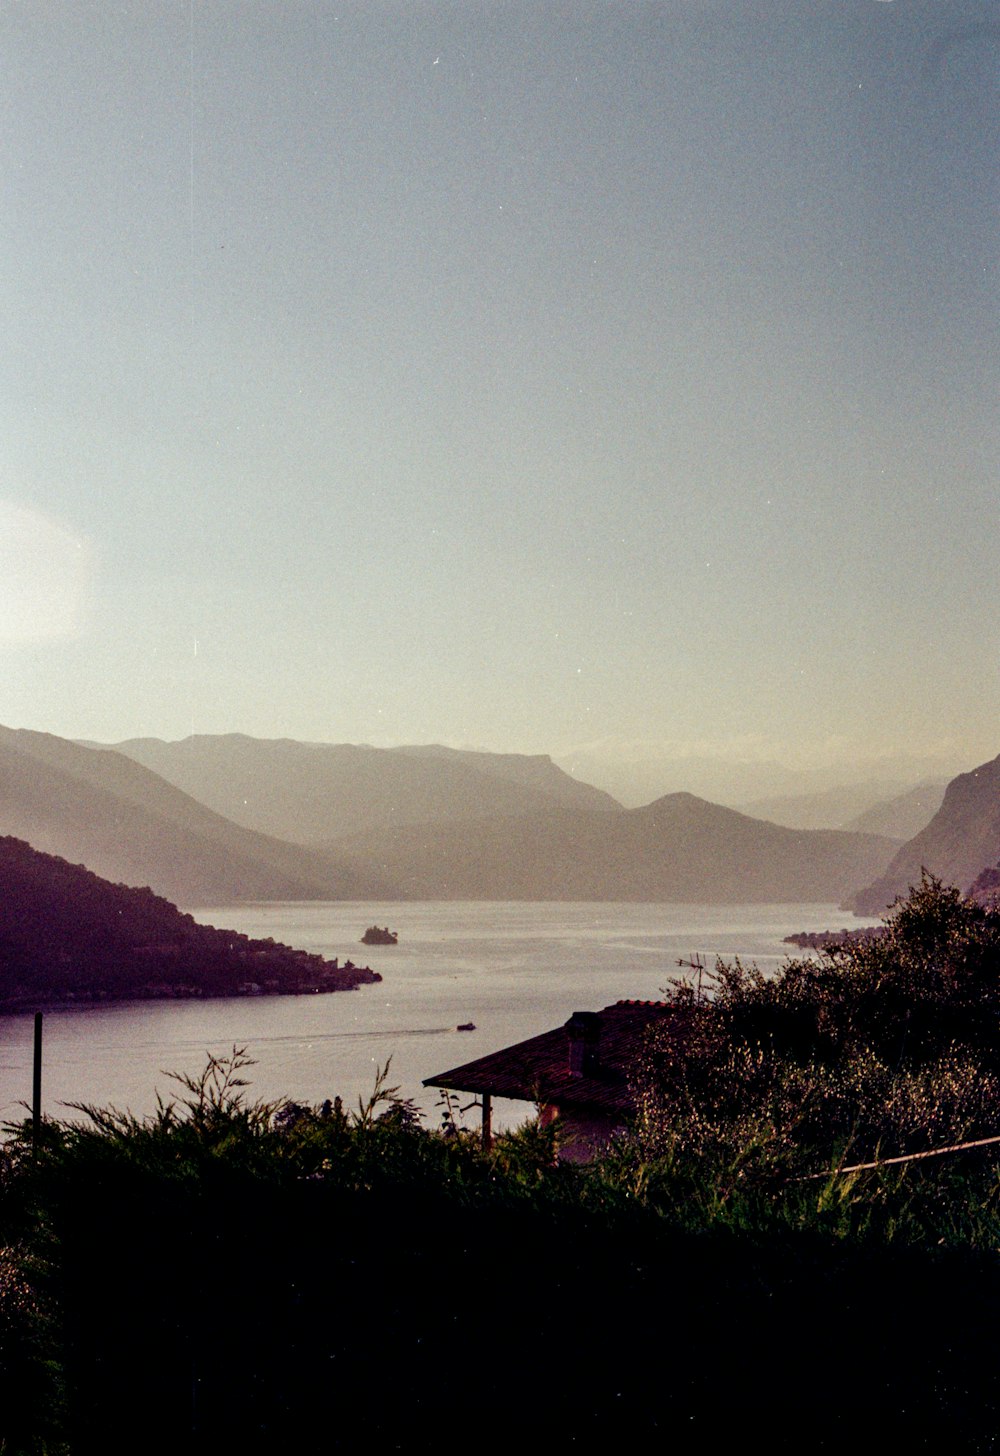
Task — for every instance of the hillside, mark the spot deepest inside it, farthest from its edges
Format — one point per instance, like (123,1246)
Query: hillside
(125,823)
(678,849)
(962,839)
(313,792)
(68,935)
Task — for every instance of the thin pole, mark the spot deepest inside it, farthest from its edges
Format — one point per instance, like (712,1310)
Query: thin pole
(903,1158)
(36,1084)
(487,1122)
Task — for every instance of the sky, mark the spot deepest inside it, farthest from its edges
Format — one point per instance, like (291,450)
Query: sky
(591,379)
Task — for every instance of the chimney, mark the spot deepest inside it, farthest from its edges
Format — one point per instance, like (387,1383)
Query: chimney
(584,1032)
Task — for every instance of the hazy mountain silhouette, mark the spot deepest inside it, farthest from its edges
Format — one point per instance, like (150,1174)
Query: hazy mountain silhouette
(637,774)
(962,839)
(420,821)
(904,816)
(100,808)
(311,792)
(833,808)
(531,770)
(67,934)
(680,848)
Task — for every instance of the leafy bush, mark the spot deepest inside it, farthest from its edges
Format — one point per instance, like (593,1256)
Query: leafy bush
(881,1047)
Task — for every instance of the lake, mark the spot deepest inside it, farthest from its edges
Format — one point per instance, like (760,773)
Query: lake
(515,969)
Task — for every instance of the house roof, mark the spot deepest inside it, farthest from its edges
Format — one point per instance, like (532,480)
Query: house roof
(538,1070)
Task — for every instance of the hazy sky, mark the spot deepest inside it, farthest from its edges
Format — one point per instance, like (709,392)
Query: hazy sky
(511,375)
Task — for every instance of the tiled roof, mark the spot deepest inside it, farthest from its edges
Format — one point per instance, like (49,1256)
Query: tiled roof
(538,1070)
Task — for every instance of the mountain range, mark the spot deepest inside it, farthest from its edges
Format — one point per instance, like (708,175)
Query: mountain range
(639,772)
(878,806)
(680,848)
(316,792)
(212,820)
(904,816)
(445,823)
(101,809)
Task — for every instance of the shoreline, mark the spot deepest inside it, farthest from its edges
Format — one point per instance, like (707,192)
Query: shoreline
(27,1005)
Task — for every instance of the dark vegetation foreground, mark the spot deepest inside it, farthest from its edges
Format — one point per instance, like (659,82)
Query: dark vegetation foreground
(231,1274)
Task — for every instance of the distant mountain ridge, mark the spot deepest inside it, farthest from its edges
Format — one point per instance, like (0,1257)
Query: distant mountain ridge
(101,809)
(537,771)
(961,840)
(680,848)
(875,807)
(638,774)
(904,816)
(832,808)
(422,821)
(316,792)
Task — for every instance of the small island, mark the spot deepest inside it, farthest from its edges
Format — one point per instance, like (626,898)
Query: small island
(67,936)
(380,935)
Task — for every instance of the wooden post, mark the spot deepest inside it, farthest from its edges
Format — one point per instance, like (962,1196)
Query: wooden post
(36,1084)
(487,1122)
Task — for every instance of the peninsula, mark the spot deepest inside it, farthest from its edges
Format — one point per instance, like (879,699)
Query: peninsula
(66,936)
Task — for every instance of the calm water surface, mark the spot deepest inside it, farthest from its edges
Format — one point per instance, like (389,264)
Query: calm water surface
(515,969)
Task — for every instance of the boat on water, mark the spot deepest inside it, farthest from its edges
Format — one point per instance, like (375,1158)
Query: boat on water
(380,935)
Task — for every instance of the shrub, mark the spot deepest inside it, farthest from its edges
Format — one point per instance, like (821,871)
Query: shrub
(880,1047)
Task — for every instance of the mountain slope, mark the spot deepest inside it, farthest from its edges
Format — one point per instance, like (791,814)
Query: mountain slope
(125,823)
(311,792)
(67,934)
(535,771)
(962,839)
(678,849)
